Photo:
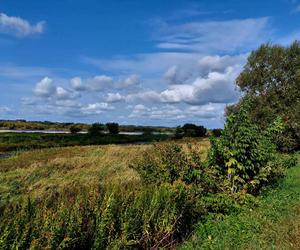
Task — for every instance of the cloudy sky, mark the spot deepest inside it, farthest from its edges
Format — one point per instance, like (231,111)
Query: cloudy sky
(157,62)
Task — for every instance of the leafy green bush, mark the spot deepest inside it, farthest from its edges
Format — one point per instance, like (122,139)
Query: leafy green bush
(217,132)
(113,128)
(169,163)
(192,130)
(96,129)
(244,154)
(75,129)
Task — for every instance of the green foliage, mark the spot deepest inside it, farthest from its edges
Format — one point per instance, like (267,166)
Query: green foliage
(244,154)
(74,129)
(179,133)
(26,141)
(113,128)
(217,132)
(170,163)
(273,223)
(96,129)
(192,130)
(272,78)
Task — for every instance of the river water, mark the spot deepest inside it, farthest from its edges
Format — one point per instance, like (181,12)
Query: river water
(68,132)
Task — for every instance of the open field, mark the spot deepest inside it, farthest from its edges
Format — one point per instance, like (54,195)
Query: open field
(36,172)
(58,180)
(59,185)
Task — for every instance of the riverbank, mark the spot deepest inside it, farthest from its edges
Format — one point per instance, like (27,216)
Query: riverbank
(25,141)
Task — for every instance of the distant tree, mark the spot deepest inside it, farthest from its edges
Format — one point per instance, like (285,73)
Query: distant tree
(113,128)
(271,78)
(75,129)
(192,130)
(179,133)
(96,129)
(217,132)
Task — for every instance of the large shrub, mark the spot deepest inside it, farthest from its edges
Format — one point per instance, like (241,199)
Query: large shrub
(169,163)
(192,130)
(113,128)
(245,154)
(96,129)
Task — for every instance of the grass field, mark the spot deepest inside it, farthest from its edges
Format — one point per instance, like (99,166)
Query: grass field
(274,223)
(65,186)
(36,172)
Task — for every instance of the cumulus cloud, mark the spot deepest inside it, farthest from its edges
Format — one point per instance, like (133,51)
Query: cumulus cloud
(62,93)
(165,112)
(77,84)
(171,75)
(130,81)
(45,88)
(100,82)
(95,108)
(208,111)
(218,63)
(114,97)
(18,26)
(104,82)
(215,87)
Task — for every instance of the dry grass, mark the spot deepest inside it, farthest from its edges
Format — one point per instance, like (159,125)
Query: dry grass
(34,172)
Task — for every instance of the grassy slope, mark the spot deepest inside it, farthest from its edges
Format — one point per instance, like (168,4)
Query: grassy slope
(273,224)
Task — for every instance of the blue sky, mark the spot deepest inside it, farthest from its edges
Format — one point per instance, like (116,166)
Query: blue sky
(133,62)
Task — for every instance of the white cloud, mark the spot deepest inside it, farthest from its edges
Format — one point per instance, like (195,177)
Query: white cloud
(218,63)
(132,80)
(62,93)
(213,36)
(18,26)
(114,97)
(172,75)
(95,108)
(171,112)
(100,82)
(77,84)
(5,110)
(45,88)
(104,82)
(214,87)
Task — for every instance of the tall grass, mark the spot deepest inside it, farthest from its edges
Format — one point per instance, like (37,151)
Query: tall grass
(110,197)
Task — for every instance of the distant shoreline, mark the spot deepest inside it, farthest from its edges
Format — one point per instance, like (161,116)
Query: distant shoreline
(68,132)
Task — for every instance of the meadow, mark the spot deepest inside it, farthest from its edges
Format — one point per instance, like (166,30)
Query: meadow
(44,191)
(96,197)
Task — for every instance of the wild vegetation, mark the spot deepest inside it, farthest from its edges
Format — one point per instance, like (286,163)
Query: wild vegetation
(26,141)
(221,193)
(271,78)
(190,130)
(47,125)
(154,200)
